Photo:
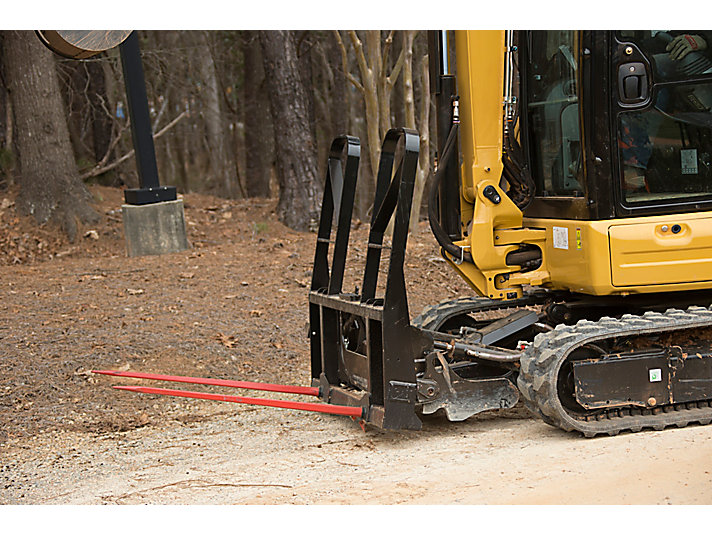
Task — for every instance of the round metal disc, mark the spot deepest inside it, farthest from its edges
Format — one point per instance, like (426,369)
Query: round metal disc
(81,44)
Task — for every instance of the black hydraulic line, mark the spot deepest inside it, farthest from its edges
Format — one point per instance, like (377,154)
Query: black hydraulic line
(440,234)
(515,171)
(494,354)
(520,257)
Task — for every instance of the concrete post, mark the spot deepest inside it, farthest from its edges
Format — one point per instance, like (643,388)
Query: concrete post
(157,228)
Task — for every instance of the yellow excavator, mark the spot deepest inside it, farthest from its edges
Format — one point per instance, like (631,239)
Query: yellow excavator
(573,193)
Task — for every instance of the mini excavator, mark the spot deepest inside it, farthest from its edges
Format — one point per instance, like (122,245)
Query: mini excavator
(573,193)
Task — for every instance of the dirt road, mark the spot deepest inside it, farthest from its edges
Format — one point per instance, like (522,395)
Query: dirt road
(234,306)
(262,456)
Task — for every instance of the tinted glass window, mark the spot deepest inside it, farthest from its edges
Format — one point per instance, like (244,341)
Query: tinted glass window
(553,112)
(666,150)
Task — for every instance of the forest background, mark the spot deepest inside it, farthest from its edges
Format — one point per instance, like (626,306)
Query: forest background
(236,114)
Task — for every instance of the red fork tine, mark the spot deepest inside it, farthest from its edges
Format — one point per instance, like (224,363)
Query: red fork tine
(260,386)
(353,411)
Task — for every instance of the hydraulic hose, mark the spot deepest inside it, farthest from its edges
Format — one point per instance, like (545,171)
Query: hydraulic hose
(494,354)
(441,236)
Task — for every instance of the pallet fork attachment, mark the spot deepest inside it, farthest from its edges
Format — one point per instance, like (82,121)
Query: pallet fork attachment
(363,346)
(259,386)
(352,411)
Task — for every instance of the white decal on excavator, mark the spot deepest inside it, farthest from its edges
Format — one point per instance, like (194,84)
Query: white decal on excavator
(561,237)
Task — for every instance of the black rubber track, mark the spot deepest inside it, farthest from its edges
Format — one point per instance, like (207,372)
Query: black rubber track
(541,361)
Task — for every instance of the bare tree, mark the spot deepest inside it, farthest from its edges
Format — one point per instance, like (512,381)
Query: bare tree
(423,120)
(295,147)
(219,151)
(50,188)
(377,80)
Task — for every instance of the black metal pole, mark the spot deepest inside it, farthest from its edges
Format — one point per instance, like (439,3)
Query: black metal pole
(150,190)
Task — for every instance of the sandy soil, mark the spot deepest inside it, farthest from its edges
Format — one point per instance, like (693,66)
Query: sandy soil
(234,306)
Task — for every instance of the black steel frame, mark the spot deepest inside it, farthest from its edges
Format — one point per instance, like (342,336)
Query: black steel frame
(376,370)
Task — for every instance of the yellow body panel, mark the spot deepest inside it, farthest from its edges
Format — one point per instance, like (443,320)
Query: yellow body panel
(648,253)
(622,256)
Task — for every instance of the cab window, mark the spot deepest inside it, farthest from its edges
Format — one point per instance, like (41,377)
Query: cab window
(553,112)
(665,148)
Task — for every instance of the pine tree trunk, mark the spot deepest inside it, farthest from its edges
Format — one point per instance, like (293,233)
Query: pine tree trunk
(295,147)
(50,188)
(259,136)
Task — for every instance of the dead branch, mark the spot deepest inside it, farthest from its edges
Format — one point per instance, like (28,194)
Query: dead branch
(345,63)
(160,113)
(111,147)
(393,77)
(97,170)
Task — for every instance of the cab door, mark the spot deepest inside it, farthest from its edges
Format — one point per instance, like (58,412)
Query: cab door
(661,121)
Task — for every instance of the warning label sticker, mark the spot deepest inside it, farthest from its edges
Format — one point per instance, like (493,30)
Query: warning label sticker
(561,237)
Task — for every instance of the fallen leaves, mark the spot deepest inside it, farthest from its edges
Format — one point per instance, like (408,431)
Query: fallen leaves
(227,341)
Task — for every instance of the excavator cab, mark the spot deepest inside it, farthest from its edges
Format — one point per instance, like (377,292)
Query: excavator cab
(658,141)
(660,117)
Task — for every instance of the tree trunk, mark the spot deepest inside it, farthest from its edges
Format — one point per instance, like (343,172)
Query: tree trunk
(50,188)
(259,135)
(339,91)
(370,74)
(7,153)
(421,176)
(220,155)
(295,147)
(303,47)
